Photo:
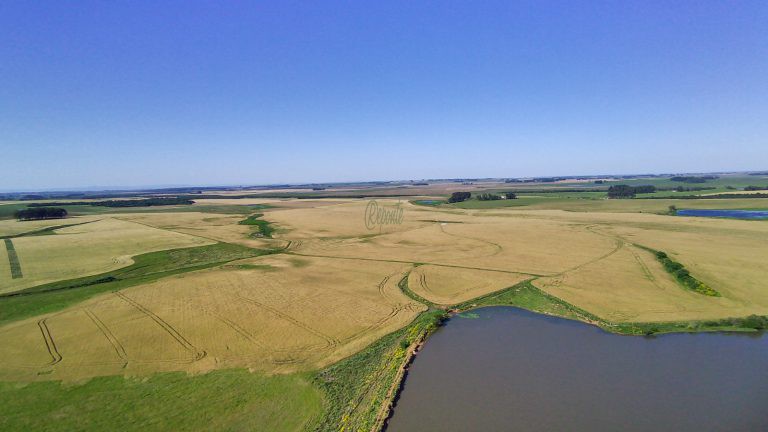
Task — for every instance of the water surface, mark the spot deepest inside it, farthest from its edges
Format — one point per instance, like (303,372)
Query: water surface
(738,214)
(512,370)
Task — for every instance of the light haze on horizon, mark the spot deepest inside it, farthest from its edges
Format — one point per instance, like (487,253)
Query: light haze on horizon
(114,94)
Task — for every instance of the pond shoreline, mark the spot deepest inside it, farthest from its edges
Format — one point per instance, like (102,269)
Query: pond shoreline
(567,311)
(406,367)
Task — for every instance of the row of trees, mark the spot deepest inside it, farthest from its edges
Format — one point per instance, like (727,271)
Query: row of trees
(488,197)
(684,276)
(755,188)
(463,196)
(626,191)
(459,197)
(146,202)
(38,213)
(693,179)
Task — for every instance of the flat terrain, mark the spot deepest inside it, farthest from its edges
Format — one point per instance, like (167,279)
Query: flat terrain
(222,400)
(584,258)
(86,249)
(238,315)
(452,285)
(214,227)
(151,302)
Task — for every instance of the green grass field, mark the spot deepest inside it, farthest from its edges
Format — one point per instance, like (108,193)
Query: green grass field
(232,400)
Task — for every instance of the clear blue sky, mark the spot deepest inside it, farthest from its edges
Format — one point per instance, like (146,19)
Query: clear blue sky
(118,93)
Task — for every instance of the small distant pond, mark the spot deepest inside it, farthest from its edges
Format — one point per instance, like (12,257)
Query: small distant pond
(429,202)
(506,369)
(738,214)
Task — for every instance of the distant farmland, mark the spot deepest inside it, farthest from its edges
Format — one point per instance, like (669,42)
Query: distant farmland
(328,309)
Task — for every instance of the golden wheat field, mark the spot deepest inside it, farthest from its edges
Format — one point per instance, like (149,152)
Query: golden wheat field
(272,314)
(452,285)
(212,227)
(331,286)
(581,257)
(100,245)
(12,227)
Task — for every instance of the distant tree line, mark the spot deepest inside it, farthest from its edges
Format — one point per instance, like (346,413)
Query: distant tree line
(488,197)
(686,188)
(459,197)
(716,196)
(38,213)
(693,179)
(536,180)
(755,188)
(626,191)
(147,202)
(559,190)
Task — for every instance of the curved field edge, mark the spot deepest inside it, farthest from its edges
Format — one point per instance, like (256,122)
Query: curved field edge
(235,400)
(526,296)
(360,391)
(381,368)
(356,392)
(147,267)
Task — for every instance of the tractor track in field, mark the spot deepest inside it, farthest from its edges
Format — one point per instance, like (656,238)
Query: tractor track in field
(619,243)
(392,313)
(330,341)
(199,354)
(415,262)
(234,326)
(646,270)
(498,248)
(50,344)
(383,285)
(423,283)
(116,345)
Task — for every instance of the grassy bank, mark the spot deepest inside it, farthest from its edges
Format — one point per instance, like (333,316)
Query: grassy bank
(357,387)
(525,295)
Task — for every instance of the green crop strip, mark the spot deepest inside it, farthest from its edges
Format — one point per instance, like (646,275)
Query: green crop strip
(13,260)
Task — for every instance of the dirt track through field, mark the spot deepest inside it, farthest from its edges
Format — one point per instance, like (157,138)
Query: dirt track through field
(50,344)
(413,262)
(199,354)
(118,347)
(330,341)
